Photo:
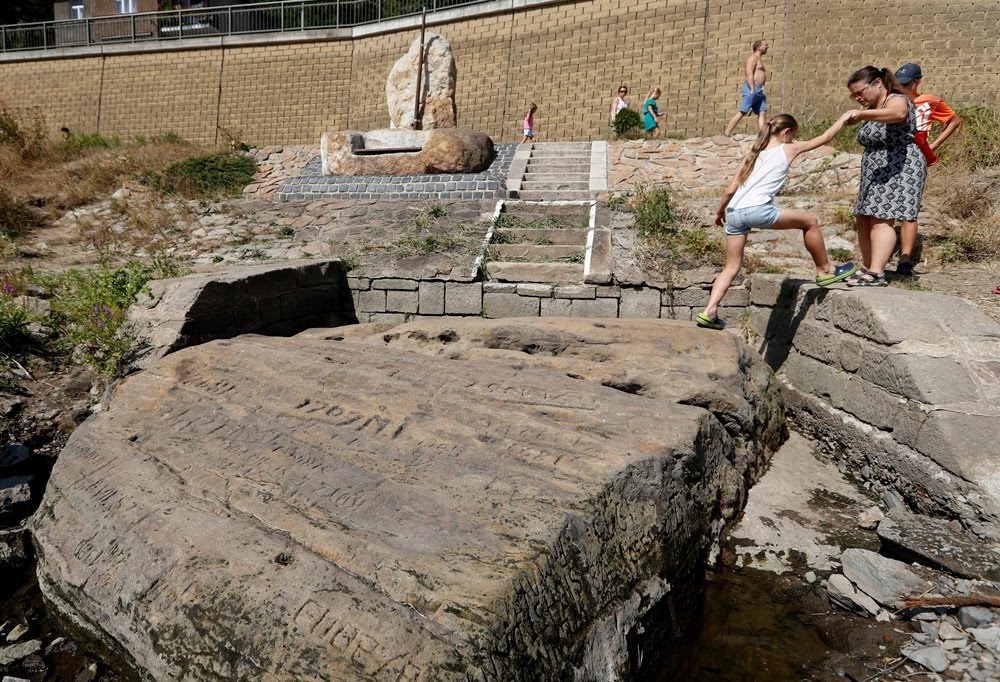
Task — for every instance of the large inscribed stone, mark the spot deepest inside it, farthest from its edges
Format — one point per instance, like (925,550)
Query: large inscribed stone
(499,500)
(437,86)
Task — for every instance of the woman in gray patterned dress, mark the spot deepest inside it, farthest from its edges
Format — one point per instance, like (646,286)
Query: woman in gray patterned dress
(892,169)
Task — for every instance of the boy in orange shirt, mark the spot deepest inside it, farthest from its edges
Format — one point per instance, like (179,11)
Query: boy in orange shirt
(930,109)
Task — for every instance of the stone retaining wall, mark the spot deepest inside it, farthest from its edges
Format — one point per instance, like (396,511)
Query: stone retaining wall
(398,300)
(903,387)
(289,88)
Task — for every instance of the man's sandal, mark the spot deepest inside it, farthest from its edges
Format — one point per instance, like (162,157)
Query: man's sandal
(866,278)
(839,274)
(703,320)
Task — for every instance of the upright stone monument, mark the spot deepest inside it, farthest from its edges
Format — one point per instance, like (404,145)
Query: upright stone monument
(431,145)
(437,86)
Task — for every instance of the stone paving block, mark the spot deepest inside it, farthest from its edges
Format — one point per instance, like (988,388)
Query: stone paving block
(556,307)
(272,281)
(608,291)
(677,312)
(767,290)
(499,287)
(693,296)
(321,273)
(359,283)
(818,341)
(510,305)
(393,318)
(639,303)
(532,289)
(463,298)
(371,301)
(580,291)
(402,301)
(431,298)
(932,380)
(397,284)
(596,307)
(850,351)
(964,444)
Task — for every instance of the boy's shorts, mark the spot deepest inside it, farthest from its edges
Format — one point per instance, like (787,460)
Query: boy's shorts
(755,101)
(528,132)
(740,220)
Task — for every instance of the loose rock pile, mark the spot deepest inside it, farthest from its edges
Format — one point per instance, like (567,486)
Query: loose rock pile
(959,626)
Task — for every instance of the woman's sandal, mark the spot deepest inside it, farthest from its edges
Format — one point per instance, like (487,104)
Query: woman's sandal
(866,278)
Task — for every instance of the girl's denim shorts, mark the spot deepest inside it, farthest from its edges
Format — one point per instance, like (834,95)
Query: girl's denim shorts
(740,220)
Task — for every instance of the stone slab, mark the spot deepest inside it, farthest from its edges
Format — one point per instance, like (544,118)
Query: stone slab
(932,542)
(306,508)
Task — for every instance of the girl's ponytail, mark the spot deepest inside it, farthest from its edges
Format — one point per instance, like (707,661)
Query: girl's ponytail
(773,126)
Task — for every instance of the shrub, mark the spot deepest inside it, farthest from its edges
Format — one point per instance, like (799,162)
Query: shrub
(977,142)
(76,144)
(627,123)
(89,314)
(13,320)
(23,131)
(205,177)
(653,212)
(16,218)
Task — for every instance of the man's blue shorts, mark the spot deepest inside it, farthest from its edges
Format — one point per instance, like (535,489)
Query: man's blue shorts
(755,101)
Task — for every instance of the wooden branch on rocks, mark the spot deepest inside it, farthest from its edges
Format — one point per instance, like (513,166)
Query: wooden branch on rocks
(955,602)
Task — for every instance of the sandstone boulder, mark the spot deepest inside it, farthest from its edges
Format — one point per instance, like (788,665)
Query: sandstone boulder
(453,150)
(437,85)
(503,500)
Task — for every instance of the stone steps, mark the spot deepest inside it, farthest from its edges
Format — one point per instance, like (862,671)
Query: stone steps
(544,254)
(553,194)
(549,273)
(552,171)
(536,252)
(556,237)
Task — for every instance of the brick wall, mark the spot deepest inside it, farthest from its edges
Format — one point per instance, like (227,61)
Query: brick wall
(568,57)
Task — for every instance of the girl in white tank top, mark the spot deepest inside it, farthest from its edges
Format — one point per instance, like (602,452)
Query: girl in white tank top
(749,203)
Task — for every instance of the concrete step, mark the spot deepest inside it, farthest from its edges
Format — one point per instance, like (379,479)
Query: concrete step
(529,210)
(560,154)
(555,273)
(553,195)
(553,184)
(560,146)
(554,176)
(536,252)
(542,237)
(558,166)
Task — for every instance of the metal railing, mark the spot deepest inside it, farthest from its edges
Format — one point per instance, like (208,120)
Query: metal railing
(271,17)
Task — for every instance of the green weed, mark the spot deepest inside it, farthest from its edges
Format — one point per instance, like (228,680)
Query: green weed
(205,177)
(78,143)
(840,255)
(653,212)
(437,211)
(89,314)
(977,143)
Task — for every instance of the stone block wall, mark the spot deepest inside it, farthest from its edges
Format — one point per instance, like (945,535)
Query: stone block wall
(902,387)
(568,57)
(399,300)
(275,301)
